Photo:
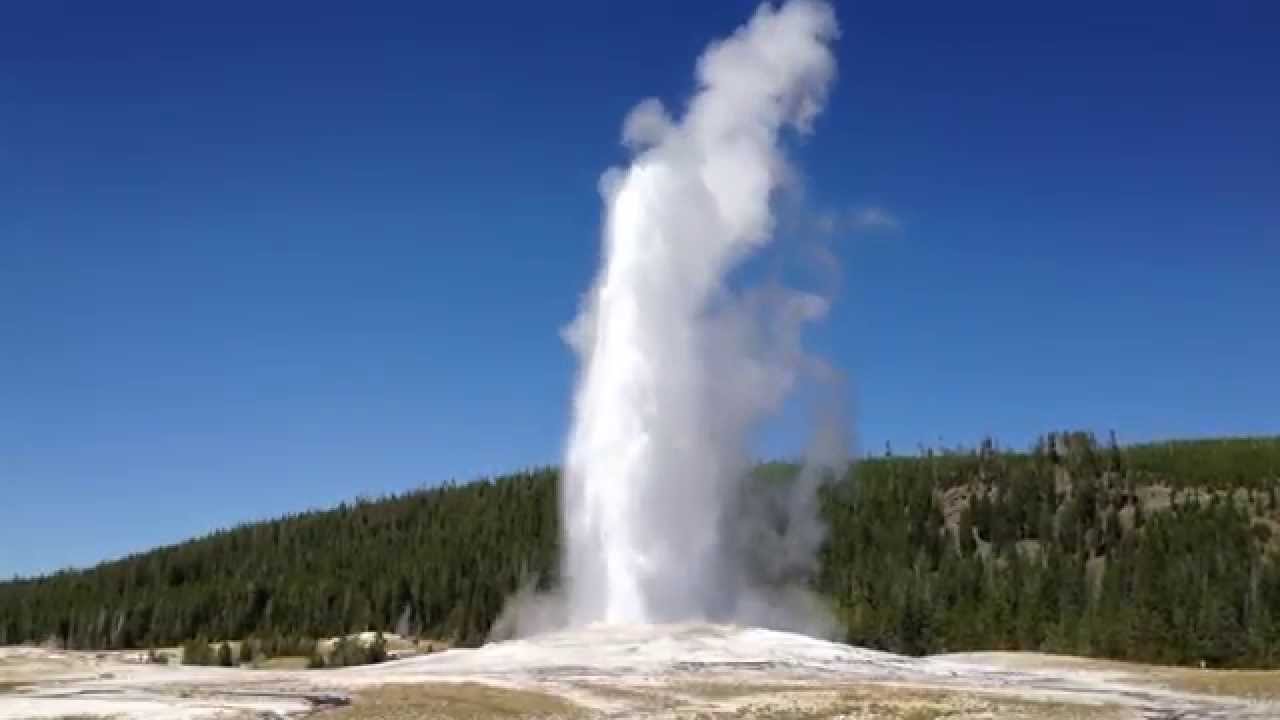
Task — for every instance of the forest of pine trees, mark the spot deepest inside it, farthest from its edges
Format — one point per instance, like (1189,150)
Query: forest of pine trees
(1162,553)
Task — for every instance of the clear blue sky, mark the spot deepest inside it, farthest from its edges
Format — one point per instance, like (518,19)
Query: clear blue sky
(261,257)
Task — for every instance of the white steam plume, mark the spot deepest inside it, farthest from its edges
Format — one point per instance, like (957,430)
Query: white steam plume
(676,369)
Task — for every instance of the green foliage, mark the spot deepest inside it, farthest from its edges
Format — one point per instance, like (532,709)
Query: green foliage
(1161,553)
(445,558)
(225,656)
(197,651)
(350,651)
(1057,550)
(1218,463)
(246,650)
(345,652)
(377,650)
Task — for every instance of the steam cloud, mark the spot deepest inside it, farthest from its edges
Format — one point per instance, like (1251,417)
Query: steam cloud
(677,369)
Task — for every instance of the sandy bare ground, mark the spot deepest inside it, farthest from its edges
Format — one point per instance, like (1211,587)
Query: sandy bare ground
(652,671)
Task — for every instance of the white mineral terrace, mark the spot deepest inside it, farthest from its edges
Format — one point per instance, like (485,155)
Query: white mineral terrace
(632,661)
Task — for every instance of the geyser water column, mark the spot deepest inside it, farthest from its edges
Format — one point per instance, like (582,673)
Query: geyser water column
(672,377)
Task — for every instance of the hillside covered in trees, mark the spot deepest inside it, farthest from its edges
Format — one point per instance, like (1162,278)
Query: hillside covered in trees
(1165,552)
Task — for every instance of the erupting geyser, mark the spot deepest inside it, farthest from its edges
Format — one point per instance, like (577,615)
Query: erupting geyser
(676,368)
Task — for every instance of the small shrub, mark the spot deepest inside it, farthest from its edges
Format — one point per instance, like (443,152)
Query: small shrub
(346,652)
(225,657)
(377,650)
(196,651)
(245,655)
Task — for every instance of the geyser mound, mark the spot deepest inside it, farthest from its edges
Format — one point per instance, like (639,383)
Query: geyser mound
(668,651)
(678,369)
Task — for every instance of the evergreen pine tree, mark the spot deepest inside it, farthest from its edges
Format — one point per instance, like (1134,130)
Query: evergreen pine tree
(246,651)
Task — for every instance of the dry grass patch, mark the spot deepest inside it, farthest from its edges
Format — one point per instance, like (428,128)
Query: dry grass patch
(896,703)
(1251,684)
(650,698)
(286,662)
(448,701)
(1247,684)
(732,690)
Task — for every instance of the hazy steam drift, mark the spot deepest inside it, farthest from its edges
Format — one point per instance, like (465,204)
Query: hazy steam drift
(675,370)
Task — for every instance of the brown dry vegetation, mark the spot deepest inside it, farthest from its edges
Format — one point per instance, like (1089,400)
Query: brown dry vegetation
(732,690)
(287,662)
(1252,684)
(1249,684)
(886,702)
(447,701)
(735,700)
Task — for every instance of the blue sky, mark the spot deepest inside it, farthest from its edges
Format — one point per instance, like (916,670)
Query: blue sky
(262,257)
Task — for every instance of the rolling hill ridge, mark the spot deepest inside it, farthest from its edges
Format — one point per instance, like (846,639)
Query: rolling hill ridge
(1165,552)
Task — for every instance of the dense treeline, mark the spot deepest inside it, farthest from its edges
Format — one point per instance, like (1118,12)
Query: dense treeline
(437,562)
(1160,552)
